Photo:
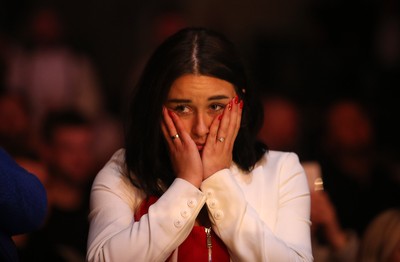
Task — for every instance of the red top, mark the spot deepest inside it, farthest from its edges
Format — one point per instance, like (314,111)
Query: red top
(194,248)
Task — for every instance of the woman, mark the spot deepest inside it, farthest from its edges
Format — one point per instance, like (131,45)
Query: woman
(192,182)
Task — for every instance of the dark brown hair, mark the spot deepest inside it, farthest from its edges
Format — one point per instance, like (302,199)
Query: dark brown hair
(196,51)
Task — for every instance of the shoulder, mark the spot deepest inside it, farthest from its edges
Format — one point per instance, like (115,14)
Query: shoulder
(112,178)
(274,165)
(280,167)
(283,170)
(23,198)
(278,159)
(15,177)
(113,170)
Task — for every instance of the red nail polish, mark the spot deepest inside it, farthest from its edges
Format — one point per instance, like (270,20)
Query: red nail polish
(170,113)
(236,99)
(220,116)
(241,104)
(230,105)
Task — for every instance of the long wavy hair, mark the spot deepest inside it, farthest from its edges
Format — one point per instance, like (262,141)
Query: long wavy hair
(197,51)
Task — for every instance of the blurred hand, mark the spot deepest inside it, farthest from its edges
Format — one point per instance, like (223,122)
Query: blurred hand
(323,215)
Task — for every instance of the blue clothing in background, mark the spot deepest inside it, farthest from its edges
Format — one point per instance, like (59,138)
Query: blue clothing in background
(23,204)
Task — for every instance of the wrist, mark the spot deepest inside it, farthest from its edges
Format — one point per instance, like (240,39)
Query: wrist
(337,238)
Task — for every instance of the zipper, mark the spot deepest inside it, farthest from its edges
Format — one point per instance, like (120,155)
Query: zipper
(209,244)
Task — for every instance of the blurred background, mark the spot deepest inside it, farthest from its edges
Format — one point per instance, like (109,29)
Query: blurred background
(304,56)
(312,50)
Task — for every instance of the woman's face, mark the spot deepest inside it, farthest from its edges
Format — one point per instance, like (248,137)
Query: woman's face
(197,100)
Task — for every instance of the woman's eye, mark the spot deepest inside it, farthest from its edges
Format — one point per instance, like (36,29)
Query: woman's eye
(217,107)
(182,109)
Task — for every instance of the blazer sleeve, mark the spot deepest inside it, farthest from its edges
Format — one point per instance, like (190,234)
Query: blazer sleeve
(114,235)
(239,225)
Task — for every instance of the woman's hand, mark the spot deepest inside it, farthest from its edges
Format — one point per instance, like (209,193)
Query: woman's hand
(184,154)
(217,152)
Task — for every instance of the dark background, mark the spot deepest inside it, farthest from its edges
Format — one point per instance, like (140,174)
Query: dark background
(312,50)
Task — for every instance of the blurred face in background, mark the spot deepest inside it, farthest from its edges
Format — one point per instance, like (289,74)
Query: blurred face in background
(46,26)
(71,152)
(281,126)
(14,118)
(349,127)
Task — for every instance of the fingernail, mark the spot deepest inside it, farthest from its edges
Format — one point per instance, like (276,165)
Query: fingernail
(236,99)
(241,104)
(230,105)
(220,116)
(170,113)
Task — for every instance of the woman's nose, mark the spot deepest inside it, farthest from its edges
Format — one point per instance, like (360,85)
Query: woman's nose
(201,125)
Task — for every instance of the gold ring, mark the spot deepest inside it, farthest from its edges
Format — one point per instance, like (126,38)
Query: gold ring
(221,139)
(318,184)
(175,136)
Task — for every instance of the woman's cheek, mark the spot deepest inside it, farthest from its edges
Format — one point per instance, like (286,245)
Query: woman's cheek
(187,123)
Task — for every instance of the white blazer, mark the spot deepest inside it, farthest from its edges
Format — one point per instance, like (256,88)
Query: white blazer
(260,216)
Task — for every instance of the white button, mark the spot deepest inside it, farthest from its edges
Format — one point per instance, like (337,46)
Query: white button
(218,214)
(178,223)
(184,213)
(192,202)
(213,203)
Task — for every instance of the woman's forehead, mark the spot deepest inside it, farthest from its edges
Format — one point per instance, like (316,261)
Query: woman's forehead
(199,85)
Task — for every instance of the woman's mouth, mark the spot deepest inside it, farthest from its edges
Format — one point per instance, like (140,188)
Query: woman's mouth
(200,146)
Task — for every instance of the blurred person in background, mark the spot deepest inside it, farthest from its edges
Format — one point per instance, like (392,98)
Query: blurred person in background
(37,167)
(283,130)
(68,151)
(16,134)
(358,184)
(282,125)
(50,75)
(23,205)
(381,241)
(330,241)
(49,72)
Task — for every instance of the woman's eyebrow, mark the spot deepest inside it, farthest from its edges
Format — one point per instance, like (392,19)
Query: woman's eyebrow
(218,97)
(178,101)
(187,101)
